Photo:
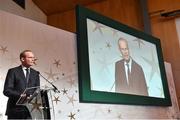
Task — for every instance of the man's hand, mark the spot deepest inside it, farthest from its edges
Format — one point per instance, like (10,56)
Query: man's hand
(23,95)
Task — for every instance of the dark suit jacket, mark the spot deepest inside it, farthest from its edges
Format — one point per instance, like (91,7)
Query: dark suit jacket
(15,84)
(137,83)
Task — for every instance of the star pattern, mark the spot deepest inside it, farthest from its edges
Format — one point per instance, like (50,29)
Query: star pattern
(3,49)
(139,42)
(56,99)
(72,116)
(108,45)
(98,26)
(51,75)
(57,63)
(36,105)
(64,91)
(71,99)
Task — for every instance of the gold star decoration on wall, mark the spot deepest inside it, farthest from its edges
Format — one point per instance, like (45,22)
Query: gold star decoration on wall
(56,99)
(57,63)
(64,91)
(72,116)
(3,49)
(71,99)
(36,105)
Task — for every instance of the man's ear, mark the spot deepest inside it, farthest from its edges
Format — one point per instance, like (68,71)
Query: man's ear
(22,59)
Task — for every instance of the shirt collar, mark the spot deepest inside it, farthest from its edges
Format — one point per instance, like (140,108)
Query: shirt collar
(130,62)
(24,68)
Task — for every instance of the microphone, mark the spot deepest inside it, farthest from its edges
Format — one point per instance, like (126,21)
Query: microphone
(55,88)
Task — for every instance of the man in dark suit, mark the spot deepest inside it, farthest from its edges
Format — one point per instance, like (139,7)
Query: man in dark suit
(129,76)
(17,80)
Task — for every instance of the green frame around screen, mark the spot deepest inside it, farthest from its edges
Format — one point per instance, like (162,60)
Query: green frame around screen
(87,95)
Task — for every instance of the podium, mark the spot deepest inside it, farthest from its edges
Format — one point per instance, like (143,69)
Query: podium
(39,102)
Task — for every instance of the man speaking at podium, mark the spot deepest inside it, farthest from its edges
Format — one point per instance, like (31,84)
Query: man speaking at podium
(17,80)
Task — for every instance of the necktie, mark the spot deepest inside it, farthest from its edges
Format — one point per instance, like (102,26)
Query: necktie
(128,71)
(27,75)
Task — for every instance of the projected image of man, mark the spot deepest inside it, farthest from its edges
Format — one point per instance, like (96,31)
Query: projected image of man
(129,75)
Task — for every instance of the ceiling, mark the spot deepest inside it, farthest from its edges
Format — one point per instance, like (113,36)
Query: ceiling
(50,7)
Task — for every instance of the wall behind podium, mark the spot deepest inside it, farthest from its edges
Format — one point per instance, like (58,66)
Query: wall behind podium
(56,54)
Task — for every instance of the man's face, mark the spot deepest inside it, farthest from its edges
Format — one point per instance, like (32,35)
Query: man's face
(124,50)
(28,60)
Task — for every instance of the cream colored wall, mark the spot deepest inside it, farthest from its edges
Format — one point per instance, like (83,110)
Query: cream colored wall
(31,11)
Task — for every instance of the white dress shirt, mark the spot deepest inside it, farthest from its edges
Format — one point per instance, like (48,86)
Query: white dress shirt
(126,68)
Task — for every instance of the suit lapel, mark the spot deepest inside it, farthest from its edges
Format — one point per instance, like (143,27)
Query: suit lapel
(123,75)
(21,74)
(31,77)
(132,75)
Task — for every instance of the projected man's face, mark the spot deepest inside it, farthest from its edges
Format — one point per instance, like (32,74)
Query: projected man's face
(124,49)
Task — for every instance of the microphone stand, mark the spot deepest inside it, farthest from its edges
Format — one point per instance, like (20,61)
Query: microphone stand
(55,88)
